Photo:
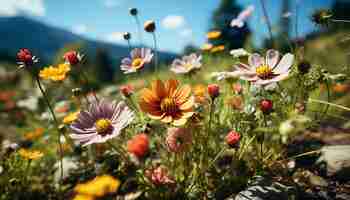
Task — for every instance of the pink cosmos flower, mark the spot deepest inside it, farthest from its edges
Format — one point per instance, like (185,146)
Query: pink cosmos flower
(101,122)
(139,57)
(186,64)
(242,17)
(262,71)
(178,139)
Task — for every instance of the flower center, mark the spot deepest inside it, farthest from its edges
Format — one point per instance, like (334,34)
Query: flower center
(188,65)
(168,105)
(103,126)
(136,63)
(264,72)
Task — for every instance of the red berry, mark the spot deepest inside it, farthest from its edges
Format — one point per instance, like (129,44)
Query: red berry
(266,106)
(138,145)
(213,90)
(232,139)
(71,57)
(25,56)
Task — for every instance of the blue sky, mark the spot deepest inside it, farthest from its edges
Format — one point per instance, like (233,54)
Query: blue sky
(179,22)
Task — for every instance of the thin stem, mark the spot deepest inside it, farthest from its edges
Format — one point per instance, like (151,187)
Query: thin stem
(55,121)
(341,20)
(267,20)
(328,99)
(129,45)
(87,82)
(119,151)
(155,52)
(139,30)
(296,18)
(330,104)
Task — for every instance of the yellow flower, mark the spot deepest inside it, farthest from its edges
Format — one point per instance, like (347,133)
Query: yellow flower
(207,47)
(200,92)
(99,186)
(217,48)
(71,117)
(83,197)
(34,134)
(55,73)
(213,35)
(30,154)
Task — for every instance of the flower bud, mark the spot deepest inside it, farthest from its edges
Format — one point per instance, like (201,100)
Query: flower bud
(232,139)
(77,92)
(304,67)
(25,56)
(126,90)
(138,145)
(266,106)
(72,57)
(150,26)
(127,36)
(213,90)
(133,11)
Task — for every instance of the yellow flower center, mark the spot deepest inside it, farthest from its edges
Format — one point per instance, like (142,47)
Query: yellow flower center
(264,71)
(136,63)
(188,65)
(168,105)
(103,126)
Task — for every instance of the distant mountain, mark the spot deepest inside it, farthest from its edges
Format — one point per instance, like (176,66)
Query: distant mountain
(45,40)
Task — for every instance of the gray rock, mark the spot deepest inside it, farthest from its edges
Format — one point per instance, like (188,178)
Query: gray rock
(337,160)
(261,188)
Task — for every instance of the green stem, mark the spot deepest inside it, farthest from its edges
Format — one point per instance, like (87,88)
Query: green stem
(155,52)
(267,20)
(55,121)
(330,104)
(328,99)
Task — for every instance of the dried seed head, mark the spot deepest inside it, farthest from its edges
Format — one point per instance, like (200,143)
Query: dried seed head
(150,26)
(127,36)
(133,11)
(304,66)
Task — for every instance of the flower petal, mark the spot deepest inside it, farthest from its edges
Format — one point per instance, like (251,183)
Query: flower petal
(158,89)
(284,65)
(255,60)
(272,57)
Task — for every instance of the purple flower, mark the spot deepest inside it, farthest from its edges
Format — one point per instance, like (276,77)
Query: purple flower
(265,71)
(101,122)
(186,64)
(139,57)
(242,17)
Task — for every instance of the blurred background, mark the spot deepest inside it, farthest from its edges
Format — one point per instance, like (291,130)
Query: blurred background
(95,27)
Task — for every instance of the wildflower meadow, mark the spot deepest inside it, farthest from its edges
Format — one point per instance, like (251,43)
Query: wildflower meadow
(224,121)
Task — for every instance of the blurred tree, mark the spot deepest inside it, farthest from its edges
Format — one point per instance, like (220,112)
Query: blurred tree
(232,38)
(190,48)
(284,37)
(341,10)
(103,69)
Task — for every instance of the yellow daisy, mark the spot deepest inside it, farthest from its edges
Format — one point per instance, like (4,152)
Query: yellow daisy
(30,154)
(213,35)
(99,186)
(55,73)
(217,48)
(71,117)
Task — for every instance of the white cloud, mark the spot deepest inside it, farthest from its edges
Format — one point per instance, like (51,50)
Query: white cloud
(186,32)
(115,37)
(15,7)
(112,3)
(80,29)
(173,21)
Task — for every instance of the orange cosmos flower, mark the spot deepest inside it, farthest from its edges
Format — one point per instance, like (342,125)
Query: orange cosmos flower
(218,48)
(167,103)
